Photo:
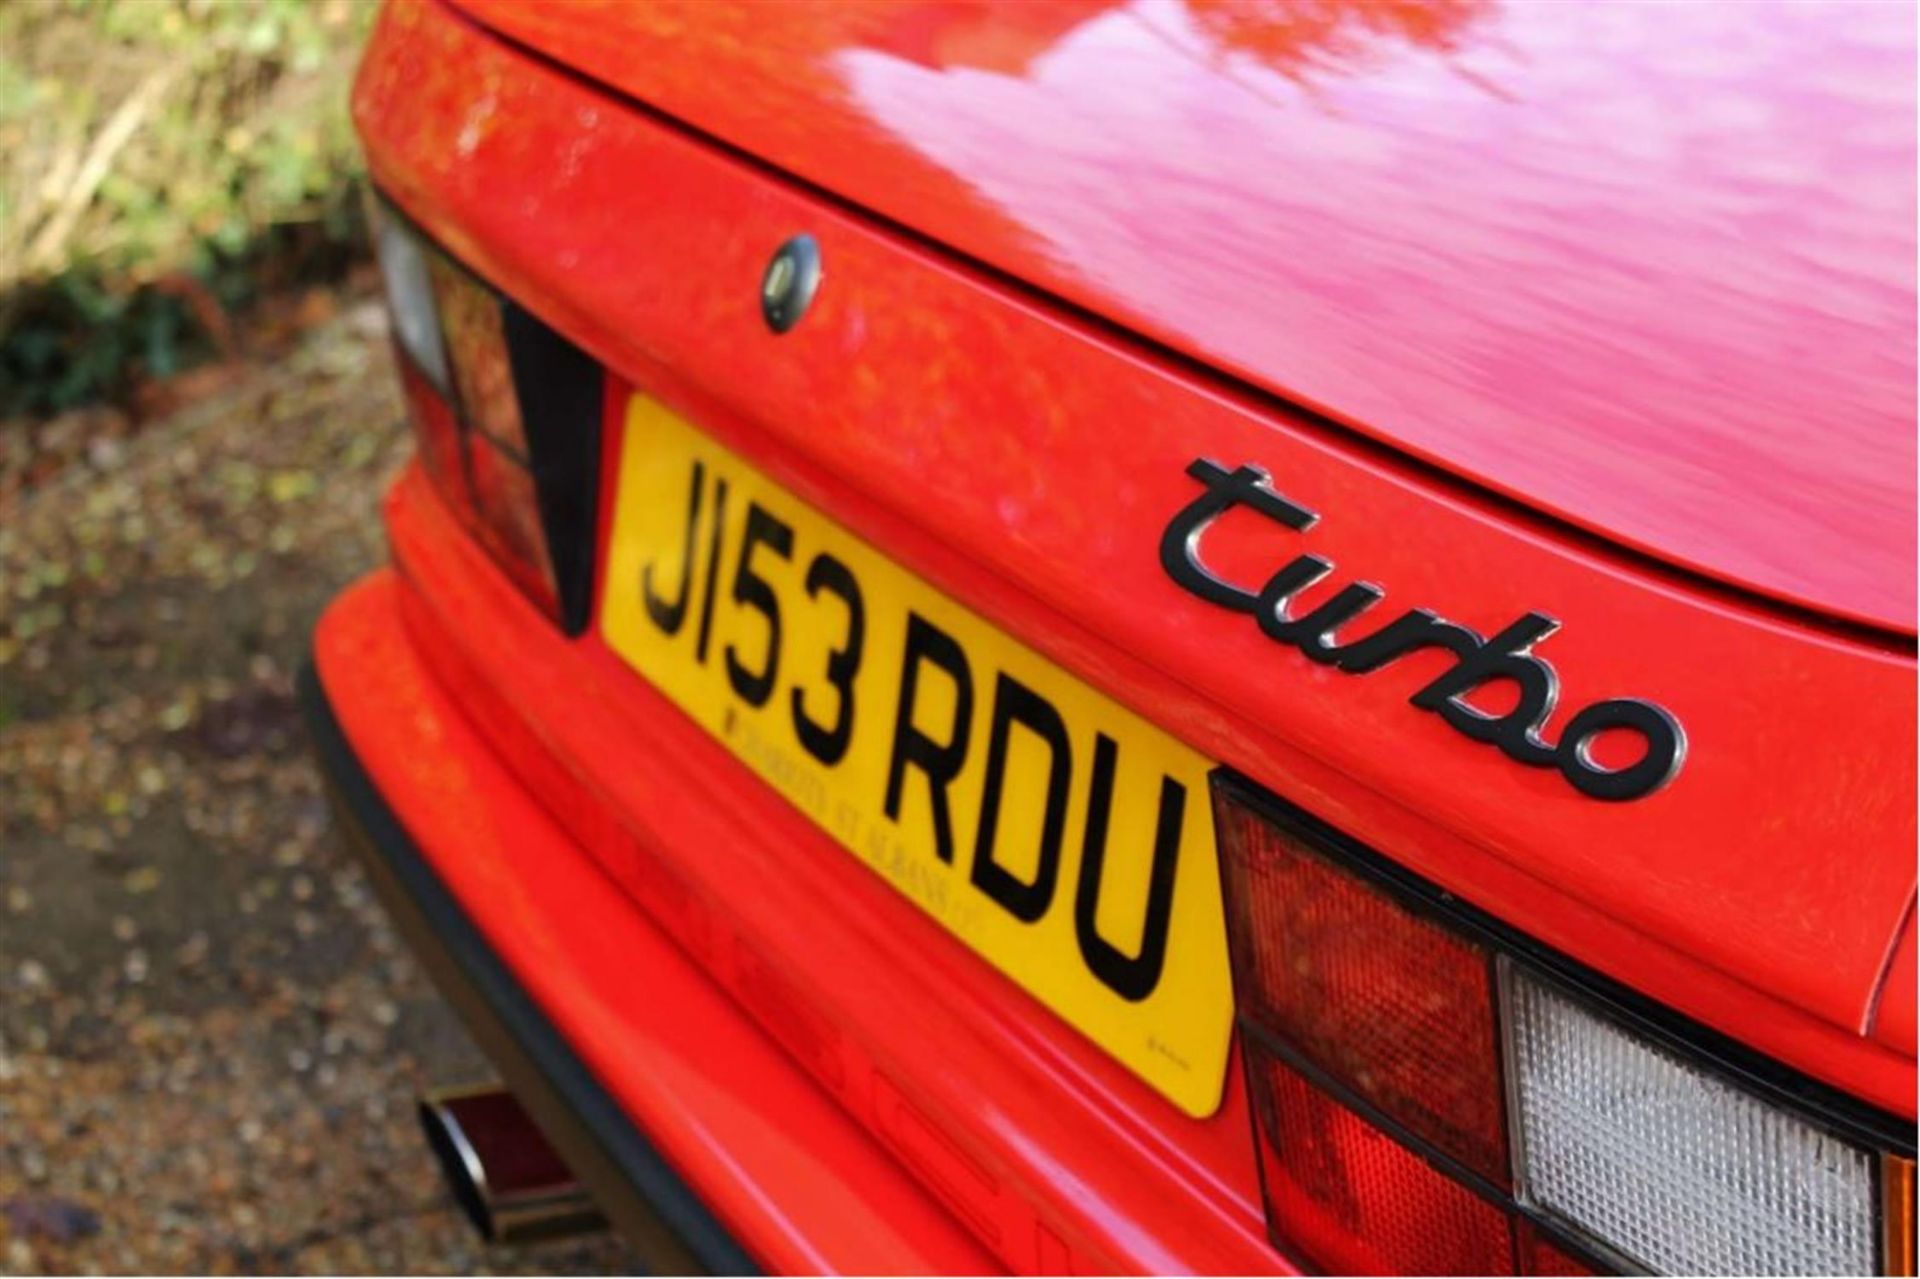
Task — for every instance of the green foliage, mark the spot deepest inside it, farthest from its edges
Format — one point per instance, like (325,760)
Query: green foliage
(155,154)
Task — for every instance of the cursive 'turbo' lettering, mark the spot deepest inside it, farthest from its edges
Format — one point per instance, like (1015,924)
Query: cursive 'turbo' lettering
(1508,655)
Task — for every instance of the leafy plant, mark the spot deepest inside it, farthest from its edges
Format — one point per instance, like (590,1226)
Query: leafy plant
(161,155)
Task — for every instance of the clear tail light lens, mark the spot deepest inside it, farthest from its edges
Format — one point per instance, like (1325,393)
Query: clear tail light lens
(1433,1093)
(506,413)
(1671,1165)
(404,270)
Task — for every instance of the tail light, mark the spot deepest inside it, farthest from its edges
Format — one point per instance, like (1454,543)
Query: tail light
(1434,1094)
(506,417)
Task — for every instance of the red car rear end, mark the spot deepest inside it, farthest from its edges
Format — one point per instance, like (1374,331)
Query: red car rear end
(1180,638)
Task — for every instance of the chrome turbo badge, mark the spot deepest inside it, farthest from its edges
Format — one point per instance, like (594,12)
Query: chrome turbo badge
(1507,656)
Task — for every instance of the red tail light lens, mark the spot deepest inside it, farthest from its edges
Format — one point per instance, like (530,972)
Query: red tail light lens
(508,509)
(476,343)
(1433,1093)
(505,504)
(436,437)
(1358,1201)
(1389,1004)
(506,415)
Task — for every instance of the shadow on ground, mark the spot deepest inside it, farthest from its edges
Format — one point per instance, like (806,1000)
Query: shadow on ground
(209,1034)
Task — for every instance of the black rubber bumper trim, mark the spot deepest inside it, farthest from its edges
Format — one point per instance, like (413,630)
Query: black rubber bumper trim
(566,1078)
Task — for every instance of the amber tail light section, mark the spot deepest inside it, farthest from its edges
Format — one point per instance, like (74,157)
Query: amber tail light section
(1434,1093)
(506,416)
(1898,1196)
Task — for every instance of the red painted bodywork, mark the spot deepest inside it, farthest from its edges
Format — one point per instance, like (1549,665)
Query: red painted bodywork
(802,1180)
(1649,268)
(1024,458)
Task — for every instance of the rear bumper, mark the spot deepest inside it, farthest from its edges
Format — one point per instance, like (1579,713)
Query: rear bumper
(703,1143)
(641,1194)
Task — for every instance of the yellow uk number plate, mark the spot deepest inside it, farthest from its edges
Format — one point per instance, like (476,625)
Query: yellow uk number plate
(1063,838)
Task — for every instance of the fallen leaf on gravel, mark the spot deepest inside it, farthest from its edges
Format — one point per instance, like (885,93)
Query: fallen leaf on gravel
(291,486)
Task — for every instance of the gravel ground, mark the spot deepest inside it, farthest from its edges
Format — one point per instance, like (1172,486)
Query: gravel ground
(210,1037)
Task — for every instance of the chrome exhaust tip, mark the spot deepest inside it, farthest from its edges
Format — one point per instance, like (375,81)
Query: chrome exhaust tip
(507,1179)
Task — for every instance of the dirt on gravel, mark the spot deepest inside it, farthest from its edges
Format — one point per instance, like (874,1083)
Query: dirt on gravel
(210,1036)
